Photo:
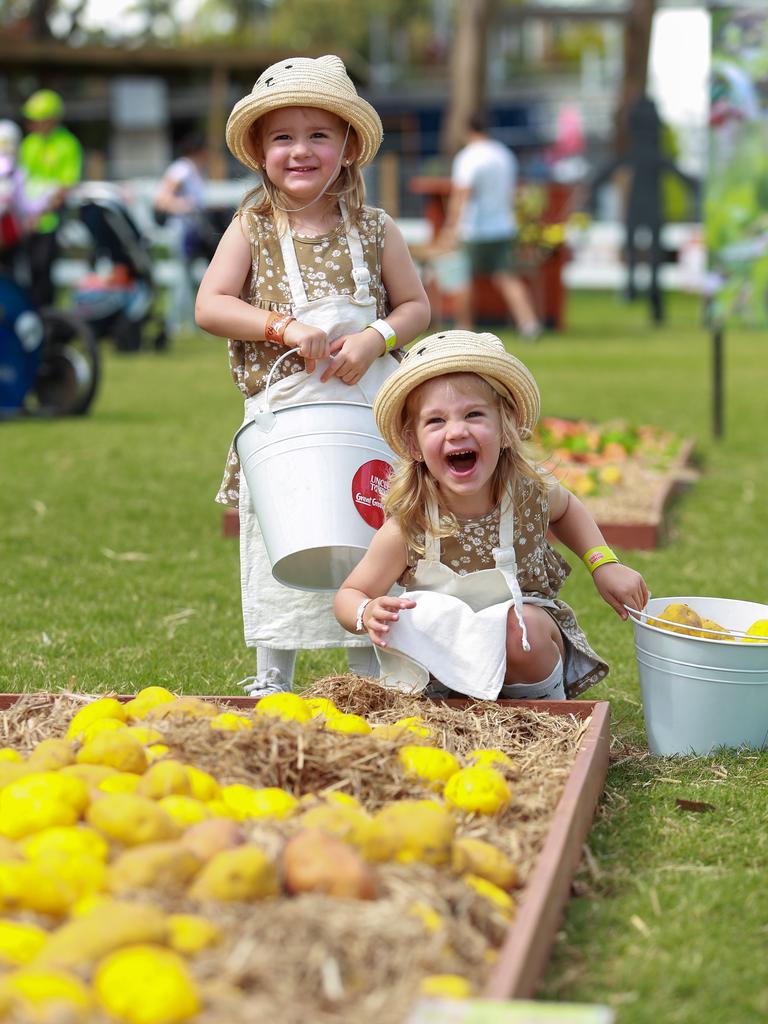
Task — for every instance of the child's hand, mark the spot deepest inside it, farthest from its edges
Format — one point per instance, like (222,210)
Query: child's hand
(619,585)
(352,354)
(379,612)
(312,342)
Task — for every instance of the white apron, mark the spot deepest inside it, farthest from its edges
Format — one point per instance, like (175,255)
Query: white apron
(275,615)
(458,630)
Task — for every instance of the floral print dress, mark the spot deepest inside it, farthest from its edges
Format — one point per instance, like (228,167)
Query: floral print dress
(541,572)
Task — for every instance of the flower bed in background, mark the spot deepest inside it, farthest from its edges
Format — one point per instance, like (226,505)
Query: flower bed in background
(626,475)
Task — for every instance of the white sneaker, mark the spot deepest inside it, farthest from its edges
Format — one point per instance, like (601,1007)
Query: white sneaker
(532,332)
(260,685)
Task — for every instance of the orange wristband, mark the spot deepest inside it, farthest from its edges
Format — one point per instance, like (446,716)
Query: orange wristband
(276,325)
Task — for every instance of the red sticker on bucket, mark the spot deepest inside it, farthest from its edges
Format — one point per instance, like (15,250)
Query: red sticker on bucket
(368,486)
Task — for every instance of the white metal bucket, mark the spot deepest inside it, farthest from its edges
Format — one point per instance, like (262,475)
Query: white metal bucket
(699,694)
(316,474)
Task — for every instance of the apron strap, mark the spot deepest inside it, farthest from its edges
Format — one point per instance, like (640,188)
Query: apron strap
(360,273)
(432,540)
(506,560)
(507,521)
(292,272)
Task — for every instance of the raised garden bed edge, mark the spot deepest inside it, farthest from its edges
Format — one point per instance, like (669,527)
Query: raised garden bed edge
(525,952)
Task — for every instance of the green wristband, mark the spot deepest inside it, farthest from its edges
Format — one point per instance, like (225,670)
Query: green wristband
(595,557)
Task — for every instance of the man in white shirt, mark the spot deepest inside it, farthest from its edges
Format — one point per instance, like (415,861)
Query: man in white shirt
(180,200)
(481,216)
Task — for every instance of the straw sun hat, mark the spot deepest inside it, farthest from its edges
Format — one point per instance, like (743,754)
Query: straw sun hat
(303,82)
(456,352)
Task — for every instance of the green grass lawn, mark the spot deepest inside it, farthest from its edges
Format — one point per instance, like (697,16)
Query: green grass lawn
(116,576)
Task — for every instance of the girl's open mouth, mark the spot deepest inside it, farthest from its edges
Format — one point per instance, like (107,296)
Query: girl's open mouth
(462,462)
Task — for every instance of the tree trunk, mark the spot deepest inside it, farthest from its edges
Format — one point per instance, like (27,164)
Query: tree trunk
(637,44)
(39,13)
(467,69)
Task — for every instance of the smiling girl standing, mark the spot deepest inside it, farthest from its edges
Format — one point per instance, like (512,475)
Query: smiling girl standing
(466,535)
(304,265)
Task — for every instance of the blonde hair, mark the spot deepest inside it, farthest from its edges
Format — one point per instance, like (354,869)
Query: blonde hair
(412,488)
(267,200)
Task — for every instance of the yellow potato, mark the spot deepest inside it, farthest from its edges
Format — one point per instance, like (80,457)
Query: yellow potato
(757,632)
(40,800)
(117,749)
(185,810)
(428,764)
(286,706)
(184,707)
(110,925)
(167,864)
(679,618)
(347,823)
(131,819)
(43,996)
(500,899)
(711,630)
(475,856)
(51,754)
(164,778)
(106,707)
(243,873)
(167,993)
(20,942)
(480,790)
(190,933)
(445,986)
(410,830)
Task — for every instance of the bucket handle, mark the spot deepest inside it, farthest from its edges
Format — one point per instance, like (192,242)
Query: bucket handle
(290,352)
(644,618)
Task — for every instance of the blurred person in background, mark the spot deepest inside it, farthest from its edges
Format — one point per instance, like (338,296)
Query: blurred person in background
(18,210)
(51,159)
(180,203)
(481,217)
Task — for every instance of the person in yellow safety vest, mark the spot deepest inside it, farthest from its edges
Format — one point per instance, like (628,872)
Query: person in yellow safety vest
(51,159)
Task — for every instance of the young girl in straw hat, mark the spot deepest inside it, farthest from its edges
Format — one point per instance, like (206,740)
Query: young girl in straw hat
(304,266)
(466,535)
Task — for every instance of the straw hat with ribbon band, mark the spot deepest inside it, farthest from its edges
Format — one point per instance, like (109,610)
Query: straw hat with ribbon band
(303,82)
(456,352)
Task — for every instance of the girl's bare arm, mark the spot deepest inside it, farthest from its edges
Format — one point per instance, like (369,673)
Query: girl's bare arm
(219,308)
(409,312)
(574,526)
(372,578)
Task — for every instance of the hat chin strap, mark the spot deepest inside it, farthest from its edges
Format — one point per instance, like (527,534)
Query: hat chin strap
(326,186)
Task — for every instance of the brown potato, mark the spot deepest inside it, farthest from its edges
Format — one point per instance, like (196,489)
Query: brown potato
(314,861)
(209,837)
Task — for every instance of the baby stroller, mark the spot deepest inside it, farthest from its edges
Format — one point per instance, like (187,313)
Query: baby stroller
(118,301)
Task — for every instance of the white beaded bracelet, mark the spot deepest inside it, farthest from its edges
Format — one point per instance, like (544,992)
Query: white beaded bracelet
(359,627)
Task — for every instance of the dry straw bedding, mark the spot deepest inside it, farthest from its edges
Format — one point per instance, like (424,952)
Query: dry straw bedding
(315,958)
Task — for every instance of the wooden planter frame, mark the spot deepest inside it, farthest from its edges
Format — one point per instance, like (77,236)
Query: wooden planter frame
(525,952)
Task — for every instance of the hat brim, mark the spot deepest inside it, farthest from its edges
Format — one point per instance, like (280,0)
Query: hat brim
(355,110)
(506,375)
